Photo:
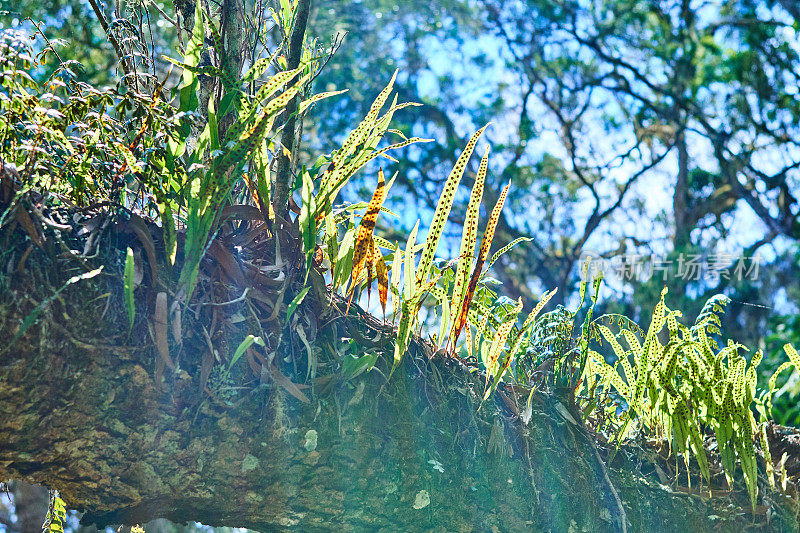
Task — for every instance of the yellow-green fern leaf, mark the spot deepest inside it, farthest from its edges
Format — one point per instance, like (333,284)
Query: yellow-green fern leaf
(444,320)
(499,253)
(724,434)
(699,451)
(274,83)
(409,267)
(403,334)
(443,208)
(738,380)
(767,455)
(306,104)
(397,261)
(609,374)
(747,456)
(517,341)
(499,341)
(530,318)
(794,357)
(469,235)
(622,355)
(633,344)
(332,183)
(358,135)
(482,329)
(656,323)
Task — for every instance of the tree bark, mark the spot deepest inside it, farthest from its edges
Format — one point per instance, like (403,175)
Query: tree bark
(82,411)
(680,197)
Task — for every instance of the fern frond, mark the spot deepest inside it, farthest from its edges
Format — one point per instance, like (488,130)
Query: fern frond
(622,354)
(364,241)
(410,264)
(382,275)
(444,206)
(502,251)
(498,343)
(469,236)
(360,133)
(486,243)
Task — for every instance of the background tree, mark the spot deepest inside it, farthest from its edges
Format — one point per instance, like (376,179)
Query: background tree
(651,128)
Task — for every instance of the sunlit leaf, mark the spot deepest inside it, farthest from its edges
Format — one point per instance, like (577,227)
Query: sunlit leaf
(128,286)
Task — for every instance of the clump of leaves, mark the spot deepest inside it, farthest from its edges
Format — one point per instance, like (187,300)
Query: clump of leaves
(357,255)
(673,382)
(69,137)
(551,351)
(675,386)
(56,514)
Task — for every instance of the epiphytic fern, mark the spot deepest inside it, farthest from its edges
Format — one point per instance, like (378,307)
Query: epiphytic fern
(674,390)
(444,206)
(421,280)
(486,242)
(358,149)
(469,237)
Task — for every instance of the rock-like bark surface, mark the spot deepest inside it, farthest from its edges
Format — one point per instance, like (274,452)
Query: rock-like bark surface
(82,411)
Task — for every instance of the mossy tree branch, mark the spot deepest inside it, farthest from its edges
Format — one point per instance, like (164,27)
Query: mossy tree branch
(82,411)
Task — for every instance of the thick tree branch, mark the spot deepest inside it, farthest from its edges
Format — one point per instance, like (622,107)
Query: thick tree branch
(84,410)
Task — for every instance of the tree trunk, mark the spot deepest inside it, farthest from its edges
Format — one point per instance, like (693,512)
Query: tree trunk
(81,411)
(289,140)
(680,197)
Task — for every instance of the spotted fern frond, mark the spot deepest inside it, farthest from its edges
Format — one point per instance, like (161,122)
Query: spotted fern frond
(469,236)
(444,206)
(486,243)
(364,240)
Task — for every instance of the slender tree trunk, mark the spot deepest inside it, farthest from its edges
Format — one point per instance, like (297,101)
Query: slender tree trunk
(233,34)
(680,196)
(284,176)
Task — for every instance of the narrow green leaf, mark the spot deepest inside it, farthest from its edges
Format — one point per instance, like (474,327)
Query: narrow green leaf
(128,285)
(499,253)
(188,88)
(290,309)
(244,345)
(308,224)
(354,366)
(306,104)
(410,286)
